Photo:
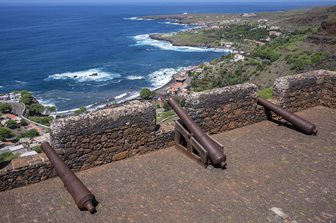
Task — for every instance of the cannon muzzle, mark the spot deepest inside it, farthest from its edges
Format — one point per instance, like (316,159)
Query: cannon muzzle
(296,120)
(84,199)
(214,150)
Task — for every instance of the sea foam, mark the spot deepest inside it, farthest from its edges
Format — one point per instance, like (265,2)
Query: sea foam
(134,77)
(97,75)
(145,40)
(137,19)
(161,77)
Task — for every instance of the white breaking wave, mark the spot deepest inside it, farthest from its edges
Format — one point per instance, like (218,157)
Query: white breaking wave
(137,19)
(82,76)
(45,102)
(161,77)
(120,96)
(134,77)
(145,40)
(20,82)
(1,86)
(174,23)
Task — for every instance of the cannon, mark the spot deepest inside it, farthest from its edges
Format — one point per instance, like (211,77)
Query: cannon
(215,152)
(84,199)
(296,120)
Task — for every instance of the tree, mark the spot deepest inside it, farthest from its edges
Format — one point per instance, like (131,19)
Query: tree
(146,94)
(50,109)
(26,98)
(36,109)
(29,134)
(12,124)
(23,122)
(81,110)
(5,107)
(5,133)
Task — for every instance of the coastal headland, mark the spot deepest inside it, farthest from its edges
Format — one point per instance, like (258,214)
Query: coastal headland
(263,46)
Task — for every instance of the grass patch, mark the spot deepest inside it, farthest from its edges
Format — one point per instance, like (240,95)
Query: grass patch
(44,120)
(37,149)
(7,156)
(28,134)
(265,93)
(164,115)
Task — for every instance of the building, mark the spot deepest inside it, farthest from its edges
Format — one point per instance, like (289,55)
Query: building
(4,97)
(16,149)
(14,97)
(13,117)
(30,153)
(274,34)
(238,57)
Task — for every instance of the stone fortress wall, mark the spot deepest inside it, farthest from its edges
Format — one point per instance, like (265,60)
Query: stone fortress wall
(113,134)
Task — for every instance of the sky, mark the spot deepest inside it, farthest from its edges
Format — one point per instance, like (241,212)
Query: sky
(142,1)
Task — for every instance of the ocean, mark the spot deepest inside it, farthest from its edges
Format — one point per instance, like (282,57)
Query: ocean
(72,56)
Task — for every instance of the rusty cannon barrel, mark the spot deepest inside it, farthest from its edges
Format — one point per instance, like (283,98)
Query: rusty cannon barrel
(84,199)
(297,121)
(214,151)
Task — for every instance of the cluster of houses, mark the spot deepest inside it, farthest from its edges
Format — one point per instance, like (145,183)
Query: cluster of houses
(181,82)
(25,146)
(13,97)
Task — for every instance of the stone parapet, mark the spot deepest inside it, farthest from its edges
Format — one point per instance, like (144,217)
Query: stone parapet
(225,108)
(306,90)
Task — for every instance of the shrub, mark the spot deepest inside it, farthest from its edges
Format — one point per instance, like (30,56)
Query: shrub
(265,93)
(81,110)
(146,94)
(29,134)
(26,98)
(44,120)
(23,123)
(12,124)
(37,149)
(5,107)
(166,106)
(5,133)
(7,156)
(267,53)
(36,109)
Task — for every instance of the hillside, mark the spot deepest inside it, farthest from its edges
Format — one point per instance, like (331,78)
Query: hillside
(274,45)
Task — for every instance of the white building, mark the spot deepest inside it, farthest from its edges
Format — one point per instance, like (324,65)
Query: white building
(14,96)
(18,149)
(30,153)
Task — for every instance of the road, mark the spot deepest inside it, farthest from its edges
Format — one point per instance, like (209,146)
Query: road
(19,108)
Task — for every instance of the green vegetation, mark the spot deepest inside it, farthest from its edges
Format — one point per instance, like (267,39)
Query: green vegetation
(26,98)
(23,122)
(37,149)
(165,115)
(146,94)
(298,61)
(5,133)
(44,120)
(7,156)
(12,124)
(81,110)
(5,107)
(267,52)
(265,93)
(36,109)
(28,134)
(50,109)
(238,32)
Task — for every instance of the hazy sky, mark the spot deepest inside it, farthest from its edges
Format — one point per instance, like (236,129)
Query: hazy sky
(142,1)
